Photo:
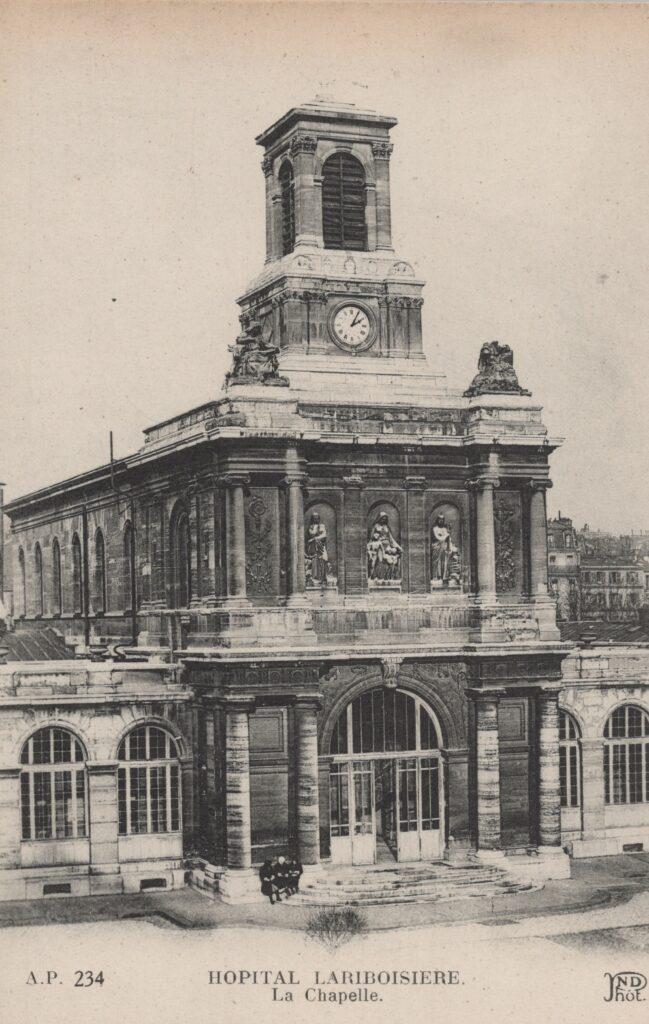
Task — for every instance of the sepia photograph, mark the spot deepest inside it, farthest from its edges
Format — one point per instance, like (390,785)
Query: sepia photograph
(324,522)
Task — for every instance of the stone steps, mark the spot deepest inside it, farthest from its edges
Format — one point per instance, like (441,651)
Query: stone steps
(428,884)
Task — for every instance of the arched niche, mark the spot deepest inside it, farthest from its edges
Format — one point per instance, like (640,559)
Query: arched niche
(320,546)
(446,548)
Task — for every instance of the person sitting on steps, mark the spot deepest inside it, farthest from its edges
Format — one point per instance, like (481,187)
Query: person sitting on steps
(268,882)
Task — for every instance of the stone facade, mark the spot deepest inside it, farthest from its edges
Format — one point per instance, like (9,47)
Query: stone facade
(348,559)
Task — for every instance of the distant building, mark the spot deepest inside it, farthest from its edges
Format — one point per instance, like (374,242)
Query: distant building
(614,574)
(563,568)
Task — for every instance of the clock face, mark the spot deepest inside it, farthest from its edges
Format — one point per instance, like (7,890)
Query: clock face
(352,327)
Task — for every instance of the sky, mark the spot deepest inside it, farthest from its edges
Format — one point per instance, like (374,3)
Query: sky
(132,204)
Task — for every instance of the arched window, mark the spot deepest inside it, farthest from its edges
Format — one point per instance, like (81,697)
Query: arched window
(181,552)
(626,756)
(287,191)
(569,761)
(384,720)
(127,567)
(343,203)
(99,573)
(53,786)
(77,576)
(57,594)
(148,782)
(38,580)
(22,585)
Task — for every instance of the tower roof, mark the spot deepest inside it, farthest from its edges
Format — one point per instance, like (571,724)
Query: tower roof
(325,110)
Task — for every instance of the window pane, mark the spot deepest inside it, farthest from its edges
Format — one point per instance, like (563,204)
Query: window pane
(157,744)
(138,800)
(427,731)
(158,783)
(563,776)
(81,803)
(137,743)
(635,773)
(63,800)
(175,797)
(619,774)
(24,805)
(607,776)
(41,747)
(121,800)
(635,721)
(42,805)
(574,776)
(62,747)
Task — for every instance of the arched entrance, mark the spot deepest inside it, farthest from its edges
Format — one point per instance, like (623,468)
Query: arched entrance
(386,780)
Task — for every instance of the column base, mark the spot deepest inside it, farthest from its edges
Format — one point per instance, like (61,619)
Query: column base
(540,864)
(311,872)
(240,885)
(495,857)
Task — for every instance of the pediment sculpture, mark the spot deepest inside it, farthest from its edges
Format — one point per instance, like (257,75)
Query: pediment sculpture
(254,359)
(496,374)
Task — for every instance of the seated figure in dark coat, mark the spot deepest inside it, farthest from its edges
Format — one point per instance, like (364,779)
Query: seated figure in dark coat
(294,873)
(268,882)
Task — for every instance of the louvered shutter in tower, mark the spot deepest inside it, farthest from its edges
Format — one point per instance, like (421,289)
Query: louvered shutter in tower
(287,187)
(343,203)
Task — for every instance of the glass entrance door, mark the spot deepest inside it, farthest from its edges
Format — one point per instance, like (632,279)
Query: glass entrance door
(393,800)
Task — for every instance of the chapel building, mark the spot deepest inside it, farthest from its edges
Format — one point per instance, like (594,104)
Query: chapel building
(346,559)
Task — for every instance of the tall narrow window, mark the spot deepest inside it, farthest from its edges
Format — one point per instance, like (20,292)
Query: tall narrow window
(569,761)
(77,577)
(100,574)
(53,786)
(57,594)
(22,585)
(148,782)
(38,580)
(626,756)
(287,190)
(343,203)
(127,567)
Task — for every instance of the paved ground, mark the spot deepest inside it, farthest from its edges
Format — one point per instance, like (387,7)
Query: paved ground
(597,883)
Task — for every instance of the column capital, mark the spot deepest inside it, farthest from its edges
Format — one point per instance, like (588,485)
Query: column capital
(308,702)
(240,703)
(548,693)
(539,485)
(481,483)
(235,480)
(382,150)
(293,479)
(485,696)
(353,482)
(415,483)
(303,143)
(267,166)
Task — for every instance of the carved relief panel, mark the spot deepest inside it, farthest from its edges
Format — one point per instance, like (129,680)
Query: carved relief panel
(262,543)
(509,548)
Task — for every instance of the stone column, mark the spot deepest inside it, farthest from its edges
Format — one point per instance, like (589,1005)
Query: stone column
(382,152)
(548,768)
(194,516)
(237,784)
(488,771)
(267,168)
(10,825)
(308,809)
(370,216)
(354,537)
(295,521)
(538,539)
(418,569)
(235,538)
(303,149)
(103,827)
(485,537)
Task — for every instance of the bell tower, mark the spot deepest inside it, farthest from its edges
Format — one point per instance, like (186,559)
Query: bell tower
(332,285)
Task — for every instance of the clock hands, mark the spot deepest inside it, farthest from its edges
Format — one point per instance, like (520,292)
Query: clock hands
(356,319)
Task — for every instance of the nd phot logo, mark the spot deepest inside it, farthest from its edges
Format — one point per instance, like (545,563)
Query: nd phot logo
(625,987)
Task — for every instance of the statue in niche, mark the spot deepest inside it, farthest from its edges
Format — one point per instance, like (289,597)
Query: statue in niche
(496,374)
(383,552)
(318,566)
(254,359)
(444,555)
